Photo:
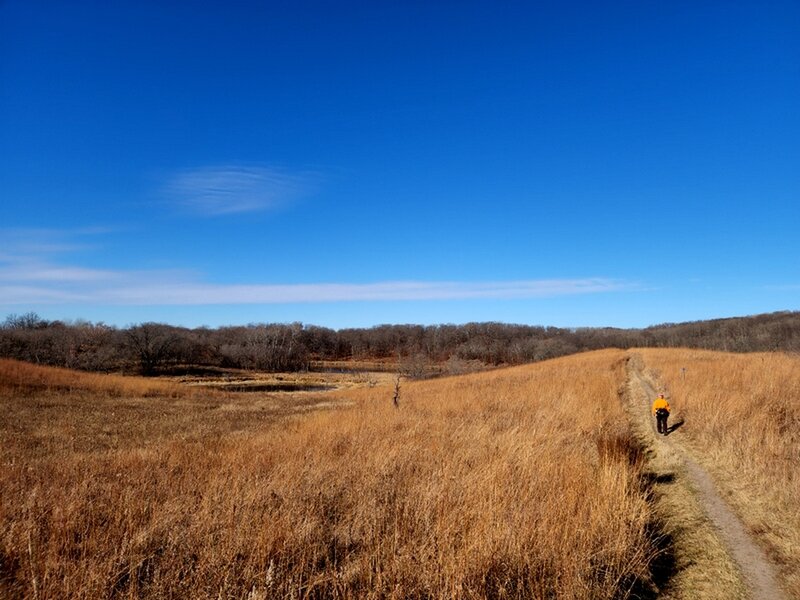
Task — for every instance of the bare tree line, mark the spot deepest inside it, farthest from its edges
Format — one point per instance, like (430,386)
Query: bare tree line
(152,348)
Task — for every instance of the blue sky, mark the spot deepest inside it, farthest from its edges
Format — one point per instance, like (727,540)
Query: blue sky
(350,164)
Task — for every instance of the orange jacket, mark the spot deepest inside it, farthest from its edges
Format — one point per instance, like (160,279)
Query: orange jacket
(660,403)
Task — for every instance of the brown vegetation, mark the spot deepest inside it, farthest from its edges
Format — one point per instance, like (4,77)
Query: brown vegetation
(517,483)
(416,350)
(742,422)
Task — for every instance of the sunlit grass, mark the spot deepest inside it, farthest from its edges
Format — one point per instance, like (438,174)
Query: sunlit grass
(516,483)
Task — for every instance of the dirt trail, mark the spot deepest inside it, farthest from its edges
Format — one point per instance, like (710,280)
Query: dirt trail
(756,571)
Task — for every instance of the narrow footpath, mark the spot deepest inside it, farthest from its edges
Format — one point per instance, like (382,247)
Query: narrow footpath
(711,553)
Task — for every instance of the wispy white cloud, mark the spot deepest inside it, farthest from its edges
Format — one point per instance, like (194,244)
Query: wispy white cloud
(35,270)
(36,242)
(27,295)
(231,189)
(58,284)
(360,292)
(786,287)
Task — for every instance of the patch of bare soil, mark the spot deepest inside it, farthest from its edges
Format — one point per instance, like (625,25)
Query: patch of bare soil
(715,557)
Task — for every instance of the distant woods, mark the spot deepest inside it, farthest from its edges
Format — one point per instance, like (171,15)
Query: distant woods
(156,348)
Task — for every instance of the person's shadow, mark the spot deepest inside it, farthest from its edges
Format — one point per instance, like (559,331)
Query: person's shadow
(675,426)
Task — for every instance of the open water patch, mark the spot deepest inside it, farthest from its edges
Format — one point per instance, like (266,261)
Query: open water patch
(271,387)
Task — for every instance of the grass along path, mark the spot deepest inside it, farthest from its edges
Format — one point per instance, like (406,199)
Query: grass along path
(714,556)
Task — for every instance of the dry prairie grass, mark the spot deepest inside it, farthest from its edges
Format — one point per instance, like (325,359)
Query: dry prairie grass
(520,483)
(742,422)
(21,378)
(50,413)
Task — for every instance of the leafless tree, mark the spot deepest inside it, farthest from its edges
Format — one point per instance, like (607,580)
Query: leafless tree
(151,344)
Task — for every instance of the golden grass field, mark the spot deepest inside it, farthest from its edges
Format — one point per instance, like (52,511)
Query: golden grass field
(514,483)
(524,482)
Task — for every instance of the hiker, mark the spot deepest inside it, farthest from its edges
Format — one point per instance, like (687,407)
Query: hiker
(661,411)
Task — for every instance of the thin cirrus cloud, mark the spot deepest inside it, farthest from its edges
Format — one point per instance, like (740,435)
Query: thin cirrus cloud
(51,284)
(786,287)
(235,189)
(363,292)
(31,273)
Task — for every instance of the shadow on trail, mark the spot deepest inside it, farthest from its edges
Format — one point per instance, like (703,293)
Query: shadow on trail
(655,478)
(662,565)
(675,426)
(663,562)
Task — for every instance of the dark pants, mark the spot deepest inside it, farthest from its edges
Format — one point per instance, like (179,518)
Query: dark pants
(661,420)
